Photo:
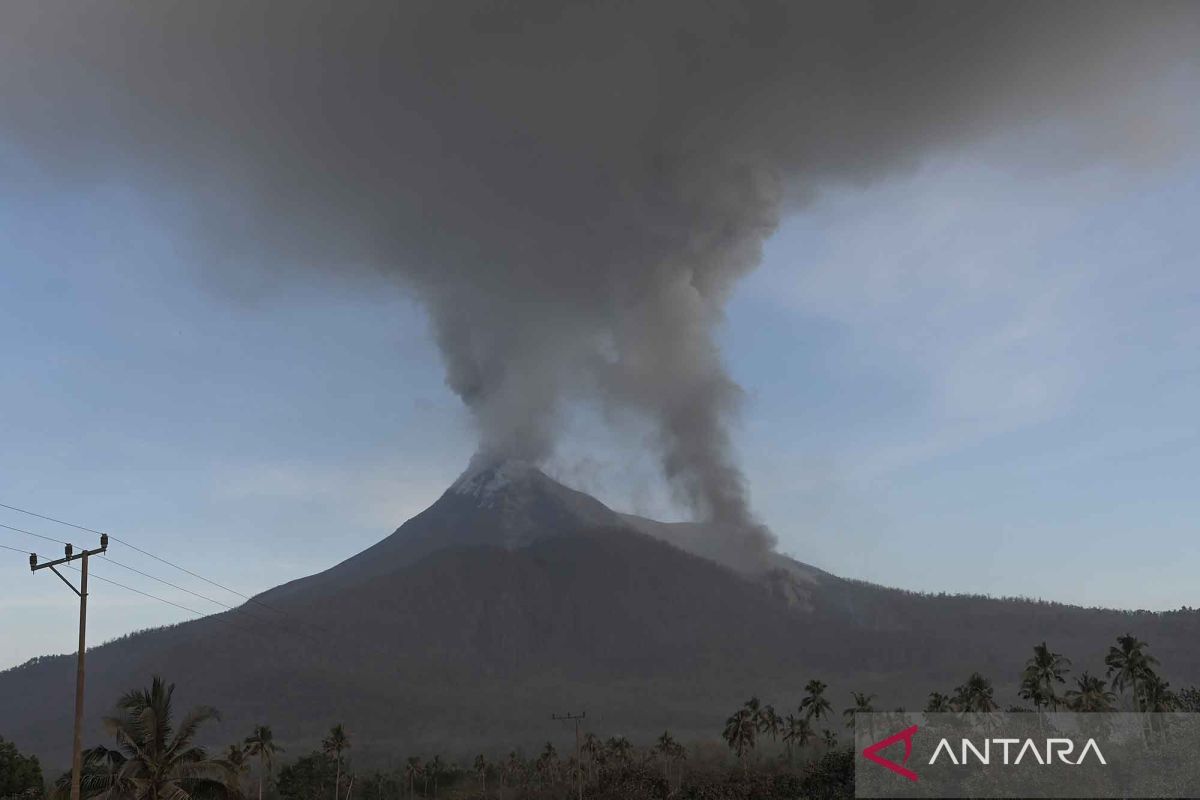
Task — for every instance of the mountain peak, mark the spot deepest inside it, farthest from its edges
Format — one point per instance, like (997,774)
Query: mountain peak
(487,476)
(511,504)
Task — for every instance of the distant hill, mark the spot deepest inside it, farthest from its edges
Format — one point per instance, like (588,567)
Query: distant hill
(513,596)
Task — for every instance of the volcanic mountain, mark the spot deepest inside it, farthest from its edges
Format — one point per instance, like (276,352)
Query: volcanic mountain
(513,596)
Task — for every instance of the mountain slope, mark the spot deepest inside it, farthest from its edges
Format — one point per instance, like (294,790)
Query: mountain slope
(513,596)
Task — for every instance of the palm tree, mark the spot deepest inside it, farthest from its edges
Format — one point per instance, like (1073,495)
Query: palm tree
(547,764)
(829,738)
(592,748)
(413,769)
(101,775)
(333,745)
(769,722)
(1090,695)
(1129,666)
(797,733)
(938,703)
(1031,689)
(434,769)
(740,733)
(1042,671)
(481,768)
(380,782)
(814,705)
(862,705)
(261,743)
(513,767)
(669,751)
(678,755)
(619,749)
(235,757)
(974,695)
(1157,697)
(156,759)
(663,747)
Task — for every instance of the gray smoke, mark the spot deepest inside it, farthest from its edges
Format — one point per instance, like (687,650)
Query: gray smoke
(574,189)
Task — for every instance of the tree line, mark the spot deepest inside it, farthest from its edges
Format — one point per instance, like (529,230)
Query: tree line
(155,756)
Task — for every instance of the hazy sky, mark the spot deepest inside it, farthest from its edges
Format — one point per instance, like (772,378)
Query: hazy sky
(967,378)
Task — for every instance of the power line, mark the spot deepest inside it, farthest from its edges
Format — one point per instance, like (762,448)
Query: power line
(114,583)
(218,616)
(182,569)
(50,519)
(114,562)
(151,596)
(133,547)
(219,586)
(35,535)
(162,560)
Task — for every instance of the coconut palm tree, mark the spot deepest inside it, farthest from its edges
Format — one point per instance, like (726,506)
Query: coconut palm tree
(1090,694)
(413,769)
(514,768)
(1042,672)
(1129,666)
(334,745)
(829,738)
(434,771)
(592,748)
(379,782)
(235,757)
(862,705)
(769,722)
(261,743)
(156,759)
(547,764)
(101,775)
(815,706)
(938,703)
(481,768)
(669,751)
(974,695)
(1157,697)
(1031,689)
(678,755)
(619,749)
(740,733)
(797,733)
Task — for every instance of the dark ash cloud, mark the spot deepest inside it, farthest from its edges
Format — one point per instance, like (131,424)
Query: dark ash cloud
(573,189)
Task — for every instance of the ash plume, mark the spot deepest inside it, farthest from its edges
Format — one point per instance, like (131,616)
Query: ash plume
(573,189)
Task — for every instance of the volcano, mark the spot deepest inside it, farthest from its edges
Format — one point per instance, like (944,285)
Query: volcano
(514,596)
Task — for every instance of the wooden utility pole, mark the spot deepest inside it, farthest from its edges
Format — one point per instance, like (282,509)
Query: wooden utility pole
(578,756)
(82,591)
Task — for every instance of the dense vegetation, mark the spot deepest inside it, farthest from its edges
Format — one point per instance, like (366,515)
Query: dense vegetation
(20,776)
(765,754)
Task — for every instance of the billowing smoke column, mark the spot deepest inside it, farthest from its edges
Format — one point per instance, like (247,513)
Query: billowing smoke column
(573,189)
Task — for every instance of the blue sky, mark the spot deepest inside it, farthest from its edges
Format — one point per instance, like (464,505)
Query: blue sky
(973,377)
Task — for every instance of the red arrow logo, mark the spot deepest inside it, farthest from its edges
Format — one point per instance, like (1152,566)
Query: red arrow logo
(872,752)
